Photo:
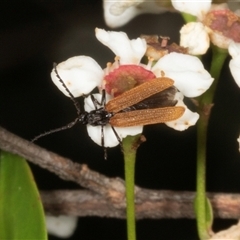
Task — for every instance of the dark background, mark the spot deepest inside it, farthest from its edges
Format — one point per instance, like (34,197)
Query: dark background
(34,34)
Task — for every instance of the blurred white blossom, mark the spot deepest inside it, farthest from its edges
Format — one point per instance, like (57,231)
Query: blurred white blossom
(118,13)
(238,143)
(61,226)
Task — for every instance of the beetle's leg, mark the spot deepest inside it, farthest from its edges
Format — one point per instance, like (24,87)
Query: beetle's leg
(118,138)
(103,100)
(103,144)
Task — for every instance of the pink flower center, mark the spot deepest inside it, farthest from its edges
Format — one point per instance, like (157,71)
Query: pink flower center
(126,77)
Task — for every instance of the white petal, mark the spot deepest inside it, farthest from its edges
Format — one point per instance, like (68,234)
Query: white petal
(234,66)
(187,71)
(61,226)
(110,139)
(188,119)
(234,49)
(128,131)
(129,51)
(118,13)
(81,74)
(197,8)
(194,36)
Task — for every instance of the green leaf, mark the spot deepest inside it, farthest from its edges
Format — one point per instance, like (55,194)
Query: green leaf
(209,215)
(21,210)
(204,214)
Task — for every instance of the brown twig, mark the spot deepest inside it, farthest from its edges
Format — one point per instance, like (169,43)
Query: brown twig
(149,204)
(107,195)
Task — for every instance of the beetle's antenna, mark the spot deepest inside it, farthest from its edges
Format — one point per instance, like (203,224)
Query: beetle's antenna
(96,103)
(69,125)
(103,100)
(66,88)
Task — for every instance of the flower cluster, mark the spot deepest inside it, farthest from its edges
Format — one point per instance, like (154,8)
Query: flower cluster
(82,74)
(215,23)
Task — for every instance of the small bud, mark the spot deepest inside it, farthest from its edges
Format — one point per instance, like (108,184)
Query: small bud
(194,36)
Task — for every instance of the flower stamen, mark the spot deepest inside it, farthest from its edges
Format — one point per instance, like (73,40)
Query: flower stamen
(164,41)
(150,63)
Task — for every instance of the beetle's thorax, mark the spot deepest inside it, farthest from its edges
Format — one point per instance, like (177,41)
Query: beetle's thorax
(98,117)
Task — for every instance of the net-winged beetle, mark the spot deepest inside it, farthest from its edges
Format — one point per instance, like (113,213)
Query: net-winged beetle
(151,102)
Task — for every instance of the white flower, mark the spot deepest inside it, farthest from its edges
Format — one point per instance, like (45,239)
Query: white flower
(118,13)
(196,8)
(61,226)
(187,72)
(234,64)
(194,36)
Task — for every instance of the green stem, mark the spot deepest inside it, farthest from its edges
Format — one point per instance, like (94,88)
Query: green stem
(202,205)
(129,167)
(188,17)
(218,57)
(201,177)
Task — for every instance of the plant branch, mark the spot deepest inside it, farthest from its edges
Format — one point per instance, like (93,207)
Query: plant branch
(106,196)
(152,204)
